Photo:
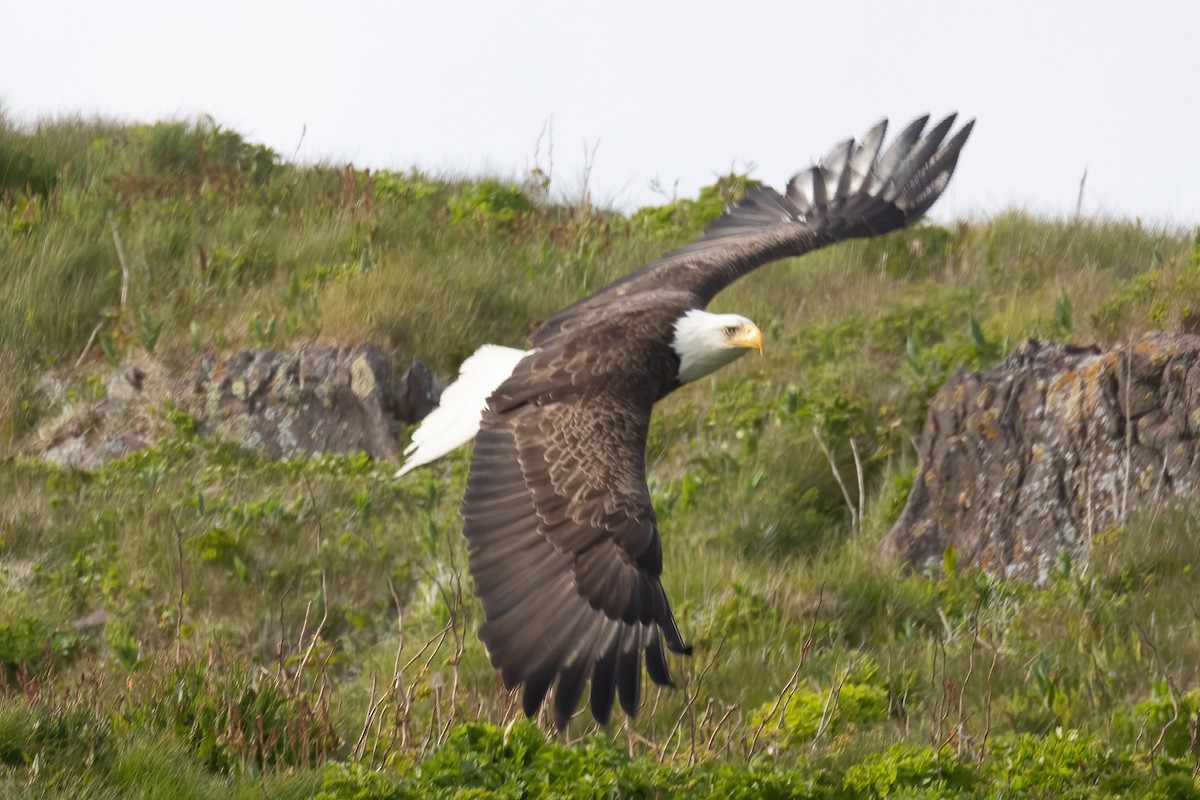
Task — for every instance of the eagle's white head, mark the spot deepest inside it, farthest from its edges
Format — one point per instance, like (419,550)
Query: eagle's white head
(706,342)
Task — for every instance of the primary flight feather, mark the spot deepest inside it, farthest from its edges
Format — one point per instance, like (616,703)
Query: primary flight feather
(562,538)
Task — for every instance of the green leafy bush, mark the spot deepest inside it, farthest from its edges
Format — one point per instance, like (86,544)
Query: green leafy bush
(30,645)
(1164,723)
(855,701)
(490,201)
(685,216)
(910,771)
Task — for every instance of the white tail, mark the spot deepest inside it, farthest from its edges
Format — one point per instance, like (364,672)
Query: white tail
(456,419)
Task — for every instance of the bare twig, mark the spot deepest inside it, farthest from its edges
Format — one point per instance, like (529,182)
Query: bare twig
(940,710)
(439,637)
(585,191)
(1079,199)
(789,688)
(837,475)
(88,346)
(831,706)
(987,706)
(858,472)
(324,590)
(692,702)
(1172,690)
(121,258)
(281,648)
(720,723)
(303,131)
(179,598)
(372,710)
(543,176)
(962,688)
(633,736)
(124,288)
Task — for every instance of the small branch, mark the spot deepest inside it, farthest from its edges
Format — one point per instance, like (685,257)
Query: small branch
(1173,691)
(372,709)
(858,472)
(691,702)
(88,346)
(789,689)
(324,591)
(720,724)
(987,708)
(179,599)
(121,258)
(831,706)
(124,288)
(962,687)
(837,475)
(303,132)
(585,193)
(281,648)
(1079,199)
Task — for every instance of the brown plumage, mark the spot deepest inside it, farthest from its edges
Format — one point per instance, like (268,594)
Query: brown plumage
(564,545)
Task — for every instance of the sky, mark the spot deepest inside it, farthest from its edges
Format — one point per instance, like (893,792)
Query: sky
(638,99)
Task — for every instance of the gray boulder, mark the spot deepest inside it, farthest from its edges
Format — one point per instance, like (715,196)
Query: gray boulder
(87,436)
(318,399)
(1036,456)
(279,404)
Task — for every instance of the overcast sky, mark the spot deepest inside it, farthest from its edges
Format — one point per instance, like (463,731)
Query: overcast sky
(667,91)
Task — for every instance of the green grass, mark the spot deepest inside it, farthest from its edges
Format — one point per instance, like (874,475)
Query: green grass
(298,627)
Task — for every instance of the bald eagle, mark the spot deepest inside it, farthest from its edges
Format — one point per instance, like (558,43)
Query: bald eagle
(563,542)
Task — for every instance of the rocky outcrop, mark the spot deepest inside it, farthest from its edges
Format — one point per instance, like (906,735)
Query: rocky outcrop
(86,436)
(319,399)
(279,404)
(1034,457)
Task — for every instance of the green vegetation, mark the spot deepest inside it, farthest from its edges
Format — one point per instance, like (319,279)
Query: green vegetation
(191,621)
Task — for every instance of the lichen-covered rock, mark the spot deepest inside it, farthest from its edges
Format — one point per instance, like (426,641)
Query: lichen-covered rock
(279,404)
(1039,454)
(318,399)
(86,436)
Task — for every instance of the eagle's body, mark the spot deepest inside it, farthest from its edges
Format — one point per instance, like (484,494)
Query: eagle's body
(563,541)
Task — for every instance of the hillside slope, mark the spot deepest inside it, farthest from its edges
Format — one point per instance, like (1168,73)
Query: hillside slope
(197,618)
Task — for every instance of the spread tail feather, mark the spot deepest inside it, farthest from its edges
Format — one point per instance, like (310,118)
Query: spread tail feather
(456,419)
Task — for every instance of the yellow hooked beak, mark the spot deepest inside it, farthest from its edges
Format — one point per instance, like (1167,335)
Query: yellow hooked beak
(749,337)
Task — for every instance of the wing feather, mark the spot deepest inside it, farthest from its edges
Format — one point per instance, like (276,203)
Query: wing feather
(916,159)
(862,163)
(894,155)
(856,190)
(629,675)
(604,684)
(564,550)
(656,663)
(835,165)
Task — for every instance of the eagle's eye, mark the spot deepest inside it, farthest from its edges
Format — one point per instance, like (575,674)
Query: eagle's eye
(730,330)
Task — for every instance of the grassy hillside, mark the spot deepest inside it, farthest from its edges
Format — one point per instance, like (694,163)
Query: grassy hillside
(194,622)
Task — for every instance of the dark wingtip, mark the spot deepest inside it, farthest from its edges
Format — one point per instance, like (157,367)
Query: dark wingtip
(629,680)
(604,685)
(536,687)
(571,680)
(656,663)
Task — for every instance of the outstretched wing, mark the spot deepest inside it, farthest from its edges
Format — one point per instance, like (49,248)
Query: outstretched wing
(564,546)
(859,189)
(565,552)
